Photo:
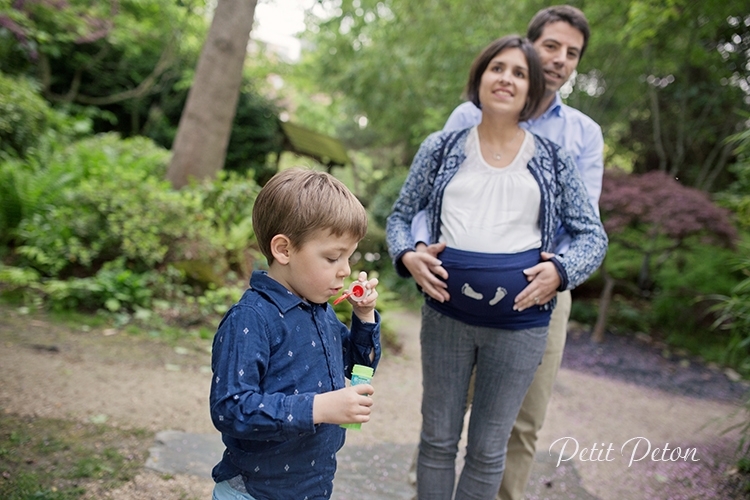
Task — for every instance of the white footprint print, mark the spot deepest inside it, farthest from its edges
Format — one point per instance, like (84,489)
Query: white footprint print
(499,294)
(470,292)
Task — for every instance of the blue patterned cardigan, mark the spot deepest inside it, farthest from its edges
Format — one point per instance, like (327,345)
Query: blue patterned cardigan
(564,201)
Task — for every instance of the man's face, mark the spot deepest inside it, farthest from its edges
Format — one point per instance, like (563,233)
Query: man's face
(559,49)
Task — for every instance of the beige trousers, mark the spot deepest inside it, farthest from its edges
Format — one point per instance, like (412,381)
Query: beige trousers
(522,442)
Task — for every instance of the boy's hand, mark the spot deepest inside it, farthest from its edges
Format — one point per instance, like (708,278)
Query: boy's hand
(365,309)
(350,405)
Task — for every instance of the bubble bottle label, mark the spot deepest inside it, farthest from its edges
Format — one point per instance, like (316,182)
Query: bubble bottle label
(360,375)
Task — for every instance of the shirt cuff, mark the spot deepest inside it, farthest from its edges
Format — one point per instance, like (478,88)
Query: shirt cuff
(366,338)
(561,272)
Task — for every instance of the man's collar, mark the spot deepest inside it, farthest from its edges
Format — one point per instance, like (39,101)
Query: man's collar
(554,107)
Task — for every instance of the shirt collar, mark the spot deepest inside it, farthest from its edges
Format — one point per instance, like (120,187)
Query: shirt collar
(554,109)
(277,293)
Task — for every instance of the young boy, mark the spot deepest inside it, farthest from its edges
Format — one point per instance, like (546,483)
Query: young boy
(280,354)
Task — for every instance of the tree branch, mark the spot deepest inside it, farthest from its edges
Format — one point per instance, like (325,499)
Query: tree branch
(144,88)
(658,144)
(718,166)
(711,164)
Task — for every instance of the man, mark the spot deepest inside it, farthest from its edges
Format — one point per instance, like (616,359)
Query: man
(560,35)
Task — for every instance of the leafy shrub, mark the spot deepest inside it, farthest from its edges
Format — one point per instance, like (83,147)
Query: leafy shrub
(737,196)
(113,287)
(583,311)
(655,222)
(734,307)
(255,134)
(120,206)
(106,231)
(686,283)
(24,115)
(26,186)
(382,203)
(227,203)
(96,157)
(733,310)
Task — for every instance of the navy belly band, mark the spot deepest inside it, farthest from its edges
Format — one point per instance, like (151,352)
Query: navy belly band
(483,287)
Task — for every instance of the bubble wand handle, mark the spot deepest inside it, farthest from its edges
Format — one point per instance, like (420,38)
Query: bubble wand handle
(357,291)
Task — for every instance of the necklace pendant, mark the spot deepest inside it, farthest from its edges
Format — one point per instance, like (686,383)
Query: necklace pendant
(497,156)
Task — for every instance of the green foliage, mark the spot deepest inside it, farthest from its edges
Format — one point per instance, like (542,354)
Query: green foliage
(737,195)
(99,229)
(379,57)
(682,300)
(227,203)
(255,134)
(734,307)
(113,287)
(134,60)
(25,187)
(733,311)
(24,115)
(664,79)
(382,203)
(110,233)
(584,312)
(692,66)
(118,205)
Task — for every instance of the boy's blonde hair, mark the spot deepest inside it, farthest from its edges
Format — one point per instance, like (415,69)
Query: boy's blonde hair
(298,202)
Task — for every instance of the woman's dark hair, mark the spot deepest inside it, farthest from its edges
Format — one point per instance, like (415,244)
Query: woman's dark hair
(556,13)
(536,74)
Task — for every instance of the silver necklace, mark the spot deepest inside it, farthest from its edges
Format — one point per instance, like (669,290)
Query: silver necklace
(499,156)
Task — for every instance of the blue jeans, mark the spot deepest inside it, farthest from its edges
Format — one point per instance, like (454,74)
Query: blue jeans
(222,491)
(505,362)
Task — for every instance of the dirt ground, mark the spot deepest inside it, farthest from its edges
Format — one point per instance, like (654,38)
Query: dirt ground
(85,374)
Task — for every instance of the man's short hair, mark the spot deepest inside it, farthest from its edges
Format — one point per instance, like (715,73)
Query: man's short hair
(566,13)
(298,202)
(536,73)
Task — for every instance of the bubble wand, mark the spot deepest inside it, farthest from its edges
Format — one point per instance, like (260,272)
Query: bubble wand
(357,292)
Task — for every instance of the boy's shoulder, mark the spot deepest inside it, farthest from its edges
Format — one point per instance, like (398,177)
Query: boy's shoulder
(264,289)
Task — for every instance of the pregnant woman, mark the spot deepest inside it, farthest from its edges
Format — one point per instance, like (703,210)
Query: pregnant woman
(494,195)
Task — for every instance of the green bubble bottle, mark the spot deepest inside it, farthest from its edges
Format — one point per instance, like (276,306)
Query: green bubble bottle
(360,375)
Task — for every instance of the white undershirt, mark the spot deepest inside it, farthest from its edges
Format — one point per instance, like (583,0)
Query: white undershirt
(492,210)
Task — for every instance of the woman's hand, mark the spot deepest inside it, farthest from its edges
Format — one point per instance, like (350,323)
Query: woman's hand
(544,281)
(427,270)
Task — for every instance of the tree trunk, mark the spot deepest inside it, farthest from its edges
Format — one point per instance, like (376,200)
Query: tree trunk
(200,146)
(604,300)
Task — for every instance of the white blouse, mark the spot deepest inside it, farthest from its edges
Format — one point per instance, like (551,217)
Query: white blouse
(489,209)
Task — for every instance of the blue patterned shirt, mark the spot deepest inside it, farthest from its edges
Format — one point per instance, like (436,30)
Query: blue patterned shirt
(577,133)
(272,353)
(564,201)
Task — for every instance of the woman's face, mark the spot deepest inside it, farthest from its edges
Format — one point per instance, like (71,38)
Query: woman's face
(505,83)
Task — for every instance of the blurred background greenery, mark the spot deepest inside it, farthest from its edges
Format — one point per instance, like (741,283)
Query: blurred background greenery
(91,96)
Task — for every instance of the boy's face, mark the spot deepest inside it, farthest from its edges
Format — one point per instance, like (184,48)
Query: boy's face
(316,270)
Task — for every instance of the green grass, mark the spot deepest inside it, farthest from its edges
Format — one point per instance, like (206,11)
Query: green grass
(52,459)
